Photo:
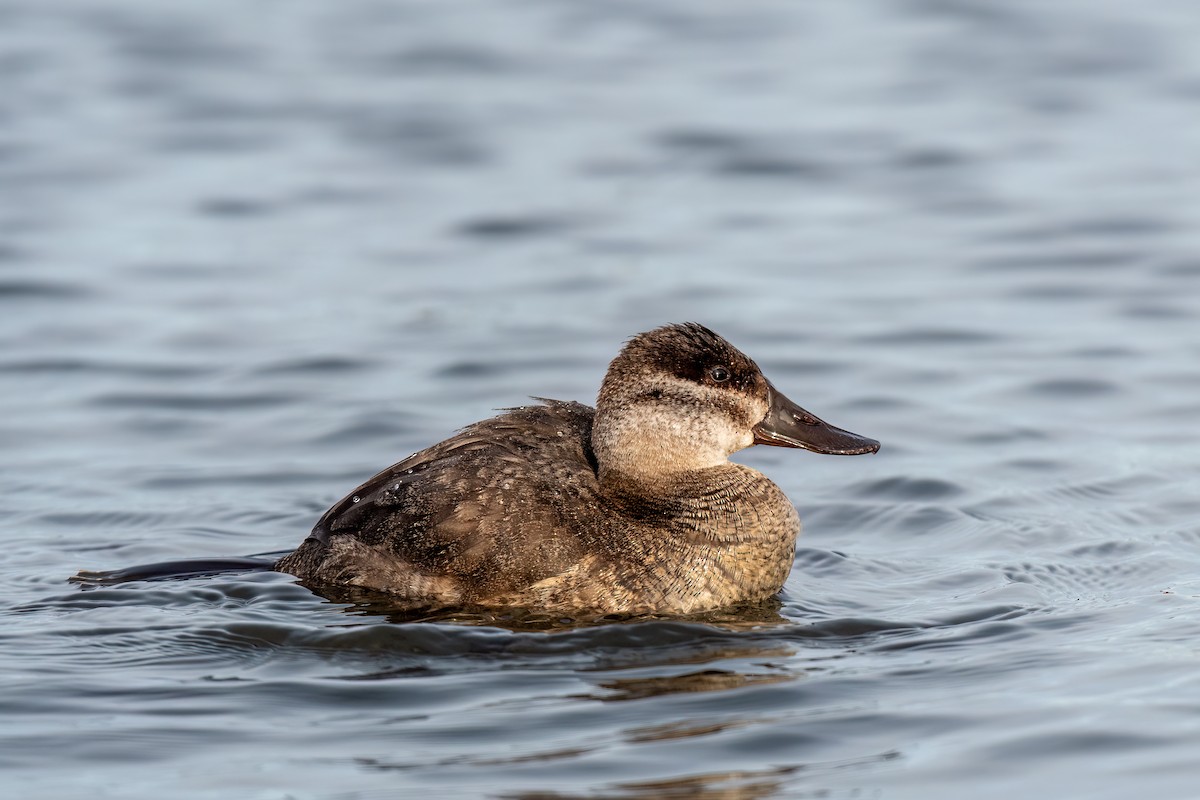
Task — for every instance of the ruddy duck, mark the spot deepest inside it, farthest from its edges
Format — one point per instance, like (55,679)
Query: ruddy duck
(630,508)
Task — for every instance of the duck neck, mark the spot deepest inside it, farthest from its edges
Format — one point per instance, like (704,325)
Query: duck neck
(653,448)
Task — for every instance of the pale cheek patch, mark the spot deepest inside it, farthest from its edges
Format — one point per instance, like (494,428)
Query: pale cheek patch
(683,426)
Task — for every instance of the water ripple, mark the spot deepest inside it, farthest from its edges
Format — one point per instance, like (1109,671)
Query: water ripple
(22,290)
(223,401)
(235,268)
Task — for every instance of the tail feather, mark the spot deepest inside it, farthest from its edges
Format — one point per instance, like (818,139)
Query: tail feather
(167,570)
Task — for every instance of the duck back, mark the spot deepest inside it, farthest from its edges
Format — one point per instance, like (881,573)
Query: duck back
(488,511)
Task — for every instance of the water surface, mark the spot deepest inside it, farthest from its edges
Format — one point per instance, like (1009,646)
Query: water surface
(252,253)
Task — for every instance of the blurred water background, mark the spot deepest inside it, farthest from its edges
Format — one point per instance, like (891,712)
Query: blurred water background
(250,253)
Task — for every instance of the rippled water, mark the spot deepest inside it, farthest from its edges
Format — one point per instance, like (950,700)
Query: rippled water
(251,253)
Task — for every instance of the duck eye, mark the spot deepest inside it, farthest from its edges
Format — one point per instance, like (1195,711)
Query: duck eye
(719,374)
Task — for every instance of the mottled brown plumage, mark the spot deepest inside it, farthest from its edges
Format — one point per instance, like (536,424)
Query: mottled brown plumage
(632,508)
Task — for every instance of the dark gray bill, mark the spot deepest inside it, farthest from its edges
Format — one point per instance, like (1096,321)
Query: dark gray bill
(788,425)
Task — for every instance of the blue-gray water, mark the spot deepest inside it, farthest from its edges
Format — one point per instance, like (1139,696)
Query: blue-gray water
(250,253)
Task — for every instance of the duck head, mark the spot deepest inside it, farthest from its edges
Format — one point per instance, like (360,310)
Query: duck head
(681,398)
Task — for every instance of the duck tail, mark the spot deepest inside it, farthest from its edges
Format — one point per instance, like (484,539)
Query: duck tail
(169,570)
